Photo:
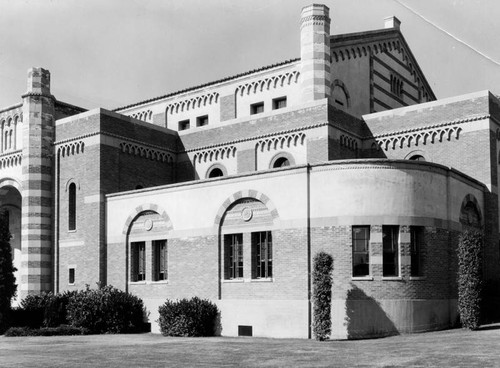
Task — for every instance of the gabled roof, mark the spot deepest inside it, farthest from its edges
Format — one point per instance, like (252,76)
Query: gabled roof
(361,43)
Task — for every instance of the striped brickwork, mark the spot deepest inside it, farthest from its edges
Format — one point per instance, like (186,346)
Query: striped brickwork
(315,52)
(36,233)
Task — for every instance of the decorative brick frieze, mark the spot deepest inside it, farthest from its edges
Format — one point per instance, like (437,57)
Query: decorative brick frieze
(11,159)
(210,155)
(193,103)
(71,148)
(265,84)
(280,142)
(148,153)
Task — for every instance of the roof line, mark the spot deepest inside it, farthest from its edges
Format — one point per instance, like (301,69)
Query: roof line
(208,84)
(346,37)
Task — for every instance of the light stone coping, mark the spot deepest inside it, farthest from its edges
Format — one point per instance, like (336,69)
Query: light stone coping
(426,105)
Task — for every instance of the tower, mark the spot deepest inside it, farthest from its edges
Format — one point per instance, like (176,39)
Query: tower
(315,52)
(36,218)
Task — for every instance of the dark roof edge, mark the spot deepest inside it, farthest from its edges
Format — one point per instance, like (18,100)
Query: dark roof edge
(209,84)
(82,109)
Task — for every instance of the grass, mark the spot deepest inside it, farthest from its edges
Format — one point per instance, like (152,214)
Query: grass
(451,348)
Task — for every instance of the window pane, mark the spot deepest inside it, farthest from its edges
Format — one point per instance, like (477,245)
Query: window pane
(233,246)
(262,258)
(360,250)
(390,250)
(72,207)
(417,236)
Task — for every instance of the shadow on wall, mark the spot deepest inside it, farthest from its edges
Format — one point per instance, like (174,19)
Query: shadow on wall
(218,325)
(365,316)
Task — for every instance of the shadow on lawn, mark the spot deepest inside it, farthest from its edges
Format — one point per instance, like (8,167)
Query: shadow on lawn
(365,318)
(495,326)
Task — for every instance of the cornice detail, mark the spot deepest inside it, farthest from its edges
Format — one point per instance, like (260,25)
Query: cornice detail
(192,103)
(274,81)
(71,148)
(416,138)
(220,153)
(148,153)
(280,142)
(11,159)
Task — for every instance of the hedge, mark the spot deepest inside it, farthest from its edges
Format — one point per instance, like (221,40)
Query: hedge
(470,278)
(322,295)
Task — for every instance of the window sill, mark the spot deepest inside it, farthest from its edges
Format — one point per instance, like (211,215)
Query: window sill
(362,278)
(267,279)
(159,282)
(392,278)
(417,278)
(137,282)
(72,231)
(230,281)
(71,284)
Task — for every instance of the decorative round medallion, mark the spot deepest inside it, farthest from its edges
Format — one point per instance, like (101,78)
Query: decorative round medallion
(246,214)
(148,224)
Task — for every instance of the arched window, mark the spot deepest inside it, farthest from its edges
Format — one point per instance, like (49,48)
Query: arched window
(72,207)
(281,162)
(215,172)
(281,159)
(417,158)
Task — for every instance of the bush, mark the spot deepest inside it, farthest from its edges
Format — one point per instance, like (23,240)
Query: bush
(106,310)
(63,330)
(322,295)
(32,311)
(470,278)
(55,313)
(194,317)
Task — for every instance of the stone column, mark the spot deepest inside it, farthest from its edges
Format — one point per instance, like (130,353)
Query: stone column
(38,136)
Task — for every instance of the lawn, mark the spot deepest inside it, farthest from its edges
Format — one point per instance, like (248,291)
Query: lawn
(451,348)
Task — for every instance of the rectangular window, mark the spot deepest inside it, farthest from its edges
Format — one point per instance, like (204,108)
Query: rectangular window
(417,239)
(72,207)
(234,256)
(257,108)
(71,276)
(138,261)
(360,250)
(202,121)
(279,103)
(390,235)
(262,255)
(160,260)
(184,125)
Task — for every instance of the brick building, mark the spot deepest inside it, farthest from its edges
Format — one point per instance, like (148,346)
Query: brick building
(227,190)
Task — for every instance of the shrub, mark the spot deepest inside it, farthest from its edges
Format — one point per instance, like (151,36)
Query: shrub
(55,313)
(470,278)
(63,330)
(322,295)
(32,311)
(7,280)
(106,310)
(194,317)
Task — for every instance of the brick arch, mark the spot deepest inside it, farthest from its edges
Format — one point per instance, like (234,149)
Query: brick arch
(279,155)
(146,207)
(12,183)
(249,193)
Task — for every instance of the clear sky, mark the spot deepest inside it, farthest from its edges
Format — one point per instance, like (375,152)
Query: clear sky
(109,53)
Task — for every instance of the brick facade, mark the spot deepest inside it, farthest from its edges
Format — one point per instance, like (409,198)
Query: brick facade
(301,160)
